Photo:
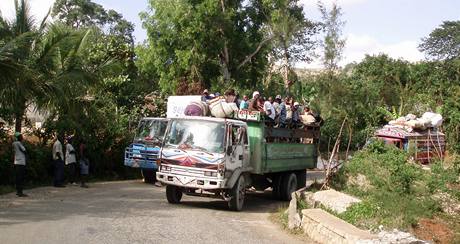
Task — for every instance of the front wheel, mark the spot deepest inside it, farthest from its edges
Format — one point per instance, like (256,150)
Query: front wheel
(238,193)
(173,194)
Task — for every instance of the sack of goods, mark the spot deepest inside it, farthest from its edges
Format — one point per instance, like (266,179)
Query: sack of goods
(307,119)
(221,109)
(196,108)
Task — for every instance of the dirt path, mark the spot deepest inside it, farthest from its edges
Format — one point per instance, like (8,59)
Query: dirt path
(133,212)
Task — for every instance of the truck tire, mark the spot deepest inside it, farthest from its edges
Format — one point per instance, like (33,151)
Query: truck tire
(276,186)
(149,176)
(301,179)
(173,194)
(238,193)
(288,186)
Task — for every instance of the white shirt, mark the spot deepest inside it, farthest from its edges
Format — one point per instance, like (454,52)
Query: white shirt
(70,157)
(19,155)
(57,148)
(269,107)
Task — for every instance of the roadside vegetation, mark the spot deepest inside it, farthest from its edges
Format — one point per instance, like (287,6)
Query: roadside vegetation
(397,193)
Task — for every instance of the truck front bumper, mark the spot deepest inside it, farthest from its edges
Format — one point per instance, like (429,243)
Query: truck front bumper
(205,183)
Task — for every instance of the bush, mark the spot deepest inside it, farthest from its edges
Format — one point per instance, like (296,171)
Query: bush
(397,196)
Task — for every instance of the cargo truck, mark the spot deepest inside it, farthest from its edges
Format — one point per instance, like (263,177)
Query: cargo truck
(143,152)
(222,158)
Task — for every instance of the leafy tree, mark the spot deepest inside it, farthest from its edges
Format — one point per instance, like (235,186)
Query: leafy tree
(333,43)
(443,42)
(195,44)
(290,34)
(18,45)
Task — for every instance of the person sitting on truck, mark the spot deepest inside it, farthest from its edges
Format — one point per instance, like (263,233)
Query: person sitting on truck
(205,96)
(282,115)
(269,110)
(244,104)
(253,103)
(296,115)
(230,96)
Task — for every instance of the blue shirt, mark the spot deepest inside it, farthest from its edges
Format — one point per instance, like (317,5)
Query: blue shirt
(244,105)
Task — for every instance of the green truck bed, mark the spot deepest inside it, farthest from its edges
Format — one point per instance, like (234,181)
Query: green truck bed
(280,156)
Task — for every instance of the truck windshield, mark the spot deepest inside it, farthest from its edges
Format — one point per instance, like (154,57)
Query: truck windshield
(196,135)
(151,131)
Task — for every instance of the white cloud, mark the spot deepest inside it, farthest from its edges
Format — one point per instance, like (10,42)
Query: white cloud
(38,8)
(358,46)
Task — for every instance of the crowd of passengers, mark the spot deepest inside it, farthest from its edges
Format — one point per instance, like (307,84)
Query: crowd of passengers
(278,112)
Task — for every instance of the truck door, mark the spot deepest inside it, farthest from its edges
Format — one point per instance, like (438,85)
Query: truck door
(235,149)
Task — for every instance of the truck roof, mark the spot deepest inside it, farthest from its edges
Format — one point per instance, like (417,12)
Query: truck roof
(207,118)
(154,118)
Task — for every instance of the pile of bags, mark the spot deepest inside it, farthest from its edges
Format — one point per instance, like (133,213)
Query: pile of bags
(428,120)
(218,107)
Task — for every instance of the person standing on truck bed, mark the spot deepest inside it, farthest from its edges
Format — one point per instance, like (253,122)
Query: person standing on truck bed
(19,163)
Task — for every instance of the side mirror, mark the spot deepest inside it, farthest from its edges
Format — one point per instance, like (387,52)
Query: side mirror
(229,150)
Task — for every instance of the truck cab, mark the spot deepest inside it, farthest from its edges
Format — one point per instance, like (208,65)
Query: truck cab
(143,152)
(220,157)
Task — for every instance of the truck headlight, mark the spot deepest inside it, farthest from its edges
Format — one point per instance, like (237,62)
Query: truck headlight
(210,173)
(165,168)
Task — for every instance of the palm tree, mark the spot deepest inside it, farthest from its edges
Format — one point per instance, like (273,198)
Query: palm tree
(41,65)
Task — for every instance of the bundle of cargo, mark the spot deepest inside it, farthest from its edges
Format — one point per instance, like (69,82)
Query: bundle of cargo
(220,108)
(411,122)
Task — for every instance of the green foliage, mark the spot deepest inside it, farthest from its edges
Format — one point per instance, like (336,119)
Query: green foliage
(395,194)
(443,178)
(364,210)
(443,42)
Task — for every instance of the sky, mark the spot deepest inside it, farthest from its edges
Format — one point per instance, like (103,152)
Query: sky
(394,27)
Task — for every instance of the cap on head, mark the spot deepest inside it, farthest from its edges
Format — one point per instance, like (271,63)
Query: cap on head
(254,94)
(278,97)
(296,104)
(17,134)
(205,91)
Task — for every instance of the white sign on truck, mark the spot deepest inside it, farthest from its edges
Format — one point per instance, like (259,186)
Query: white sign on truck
(176,105)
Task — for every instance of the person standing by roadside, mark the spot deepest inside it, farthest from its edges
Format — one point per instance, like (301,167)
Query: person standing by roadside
(84,164)
(19,163)
(58,163)
(71,160)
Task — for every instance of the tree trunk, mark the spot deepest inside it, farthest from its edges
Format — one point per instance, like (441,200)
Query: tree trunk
(18,115)
(19,111)
(286,73)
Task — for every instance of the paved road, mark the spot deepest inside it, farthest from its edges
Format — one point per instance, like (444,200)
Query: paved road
(133,212)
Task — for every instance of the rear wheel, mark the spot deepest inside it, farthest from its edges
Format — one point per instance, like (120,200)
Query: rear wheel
(238,193)
(173,194)
(288,186)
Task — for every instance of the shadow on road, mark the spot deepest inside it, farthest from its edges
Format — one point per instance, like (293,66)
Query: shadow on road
(255,202)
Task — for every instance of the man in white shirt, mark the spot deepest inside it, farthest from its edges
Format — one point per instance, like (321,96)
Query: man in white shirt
(269,109)
(58,162)
(71,160)
(19,163)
